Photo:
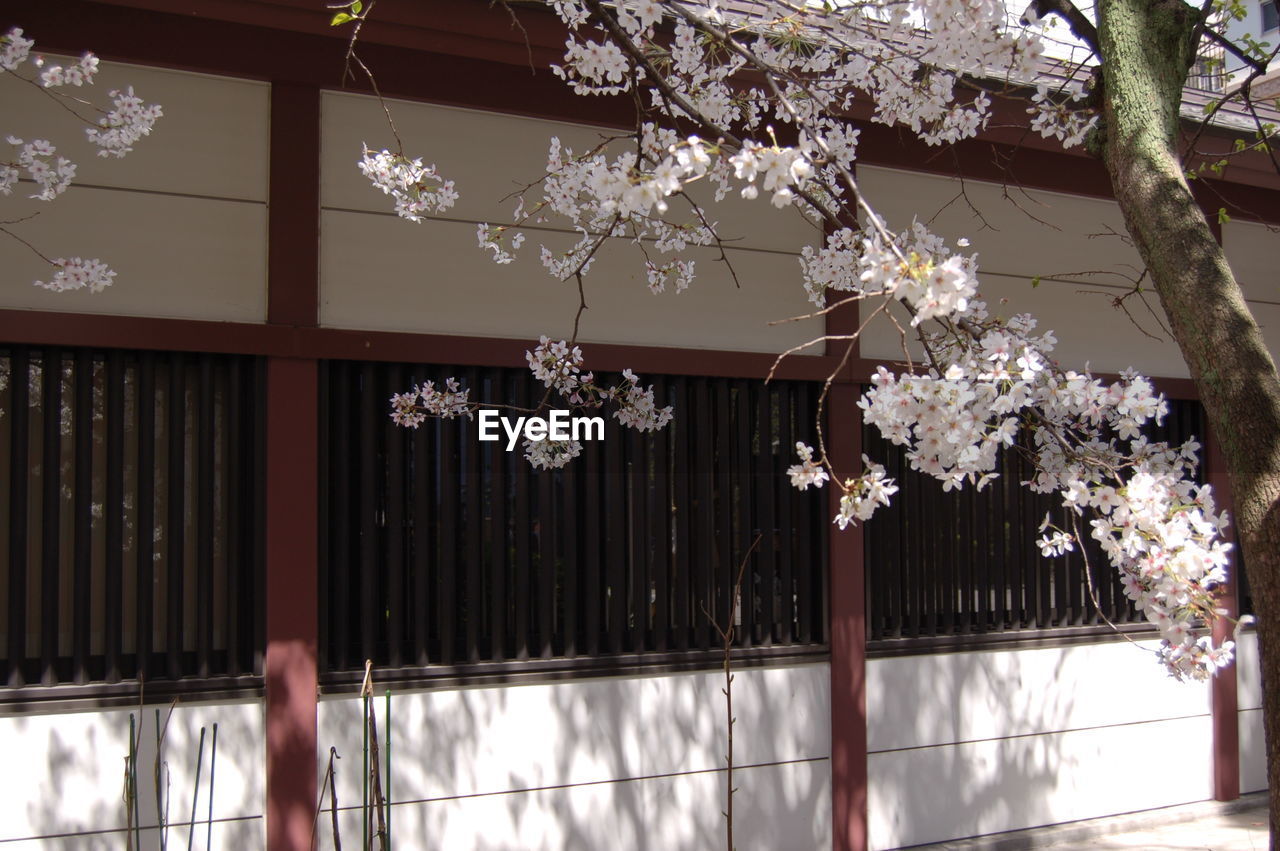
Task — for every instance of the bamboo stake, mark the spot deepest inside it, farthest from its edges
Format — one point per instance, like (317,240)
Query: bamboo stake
(195,795)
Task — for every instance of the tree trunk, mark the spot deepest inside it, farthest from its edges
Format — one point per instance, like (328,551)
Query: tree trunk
(1146,48)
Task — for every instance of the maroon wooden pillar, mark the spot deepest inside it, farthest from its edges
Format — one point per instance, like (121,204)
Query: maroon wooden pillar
(291,602)
(1223,695)
(292,474)
(843,434)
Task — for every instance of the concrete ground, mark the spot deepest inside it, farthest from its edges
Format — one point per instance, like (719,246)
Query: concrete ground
(1209,826)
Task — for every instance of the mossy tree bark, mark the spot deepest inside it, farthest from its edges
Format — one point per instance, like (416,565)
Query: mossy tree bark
(1146,48)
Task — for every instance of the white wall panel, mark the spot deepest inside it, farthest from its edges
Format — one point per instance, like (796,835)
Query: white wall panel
(212,139)
(72,771)
(915,701)
(937,793)
(1253,752)
(483,741)
(174,256)
(776,806)
(1076,245)
(1253,250)
(1248,671)
(490,155)
(382,273)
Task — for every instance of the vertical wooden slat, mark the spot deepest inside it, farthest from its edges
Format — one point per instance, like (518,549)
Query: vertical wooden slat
(394,560)
(499,540)
(372,617)
(207,434)
(725,568)
(786,496)
(113,613)
(766,521)
(638,536)
(474,528)
(568,547)
(176,516)
(684,616)
(145,535)
(615,499)
(425,564)
(51,486)
(593,558)
(804,520)
(19,487)
(746,519)
(659,510)
(703,604)
(522,532)
(82,582)
(340,521)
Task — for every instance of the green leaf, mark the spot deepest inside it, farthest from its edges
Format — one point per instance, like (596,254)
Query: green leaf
(357,7)
(1035,282)
(1223,218)
(340,19)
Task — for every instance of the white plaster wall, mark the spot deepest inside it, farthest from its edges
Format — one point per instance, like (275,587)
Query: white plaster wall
(65,775)
(619,762)
(181,219)
(380,272)
(1078,248)
(1253,752)
(973,743)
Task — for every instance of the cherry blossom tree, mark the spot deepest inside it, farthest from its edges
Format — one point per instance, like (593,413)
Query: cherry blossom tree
(753,98)
(113,130)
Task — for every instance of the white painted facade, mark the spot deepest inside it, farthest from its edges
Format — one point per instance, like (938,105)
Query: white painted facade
(64,782)
(612,762)
(960,744)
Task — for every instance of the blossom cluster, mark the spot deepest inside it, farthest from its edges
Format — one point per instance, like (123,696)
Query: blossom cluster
(75,273)
(121,128)
(114,134)
(416,188)
(557,365)
(51,174)
(916,268)
(808,471)
(636,406)
(76,74)
(1154,524)
(1057,118)
(14,49)
(551,454)
(412,409)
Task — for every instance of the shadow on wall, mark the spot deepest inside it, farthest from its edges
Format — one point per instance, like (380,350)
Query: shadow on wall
(630,763)
(73,785)
(922,790)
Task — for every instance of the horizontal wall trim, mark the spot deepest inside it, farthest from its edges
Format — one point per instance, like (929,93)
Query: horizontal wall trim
(37,327)
(524,790)
(533,671)
(1039,733)
(1012,639)
(50,328)
(90,696)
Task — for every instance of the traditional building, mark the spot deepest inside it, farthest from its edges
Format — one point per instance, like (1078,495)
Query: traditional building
(207,517)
